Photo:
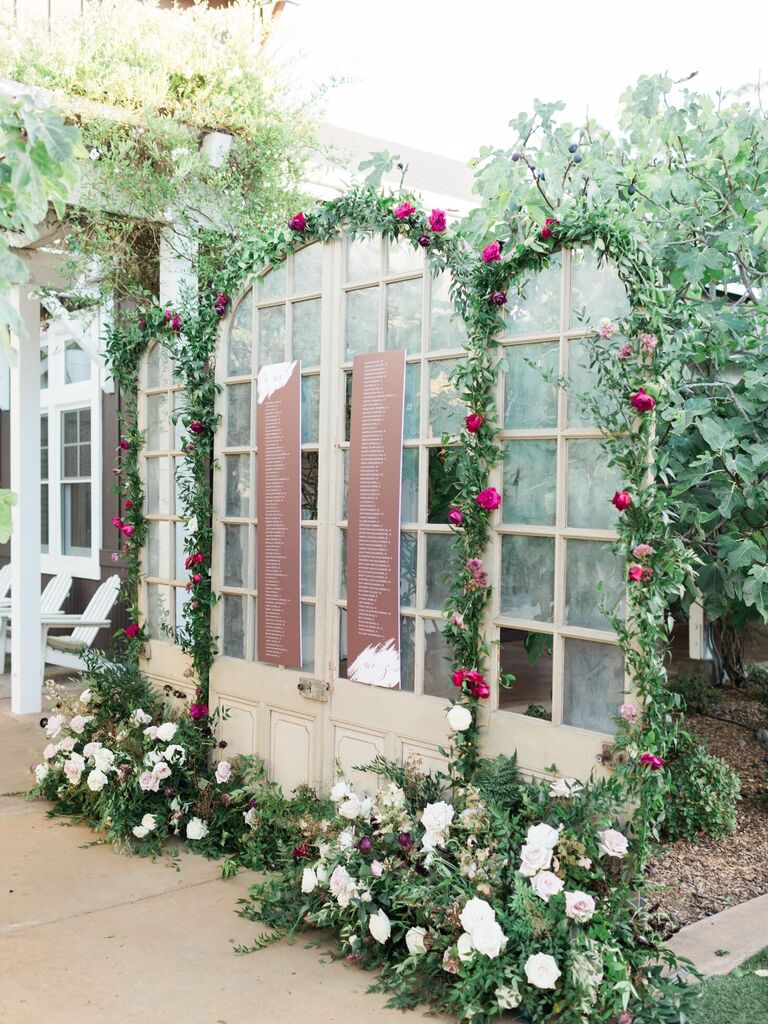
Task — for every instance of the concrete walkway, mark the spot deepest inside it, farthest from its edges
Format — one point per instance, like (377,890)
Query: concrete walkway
(88,935)
(718,944)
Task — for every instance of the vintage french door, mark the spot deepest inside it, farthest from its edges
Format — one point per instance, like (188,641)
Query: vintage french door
(325,305)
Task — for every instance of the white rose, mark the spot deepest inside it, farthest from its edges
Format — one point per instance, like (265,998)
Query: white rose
(322,873)
(149,782)
(543,835)
(151,732)
(196,827)
(436,819)
(366,807)
(565,788)
(464,947)
(85,697)
(534,858)
(73,768)
(51,750)
(546,884)
(140,716)
(579,906)
(223,771)
(613,843)
(79,722)
(308,880)
(161,770)
(346,839)
(174,753)
(414,940)
(149,822)
(584,862)
(54,726)
(380,926)
(350,808)
(249,816)
(541,970)
(104,759)
(341,791)
(41,771)
(166,731)
(459,718)
(89,750)
(139,831)
(342,885)
(489,939)
(97,780)
(68,743)
(475,913)
(508,996)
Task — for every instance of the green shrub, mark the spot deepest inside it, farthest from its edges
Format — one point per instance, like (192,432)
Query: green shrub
(703,795)
(757,682)
(697,693)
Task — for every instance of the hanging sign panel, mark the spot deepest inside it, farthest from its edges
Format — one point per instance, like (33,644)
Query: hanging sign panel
(373,558)
(278,437)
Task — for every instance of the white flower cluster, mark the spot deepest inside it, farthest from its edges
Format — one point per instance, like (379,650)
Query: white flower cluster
(482,932)
(536,858)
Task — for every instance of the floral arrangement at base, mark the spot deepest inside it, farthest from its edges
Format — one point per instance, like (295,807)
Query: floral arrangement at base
(482,902)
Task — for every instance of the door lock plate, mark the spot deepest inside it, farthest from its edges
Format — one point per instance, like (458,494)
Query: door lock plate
(313,689)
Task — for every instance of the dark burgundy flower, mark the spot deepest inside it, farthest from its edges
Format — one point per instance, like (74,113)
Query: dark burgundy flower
(365,845)
(124,444)
(405,841)
(142,324)
(424,241)
(128,504)
(499,298)
(226,799)
(301,852)
(196,427)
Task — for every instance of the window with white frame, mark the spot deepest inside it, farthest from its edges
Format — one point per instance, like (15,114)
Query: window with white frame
(165,579)
(70,453)
(554,556)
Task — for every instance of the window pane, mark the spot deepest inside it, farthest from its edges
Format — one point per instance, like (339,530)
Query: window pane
(535,309)
(409,496)
(343,565)
(308,561)
(157,549)
(157,610)
(43,364)
(404,316)
(76,519)
(528,657)
(347,403)
(158,433)
(445,330)
(238,489)
(310,409)
(238,414)
(69,427)
(362,334)
(439,569)
(44,514)
(408,563)
(241,338)
(235,556)
(181,534)
(363,259)
(309,483)
(444,485)
(158,499)
(84,460)
(593,684)
(70,461)
(77,364)
(308,637)
(528,578)
(271,335)
(407,652)
(182,477)
(596,292)
(182,597)
(308,269)
(582,382)
(232,626)
(84,424)
(306,333)
(158,366)
(437,661)
(529,482)
(591,484)
(411,401)
(403,258)
(530,402)
(588,563)
(446,410)
(272,285)
(344,483)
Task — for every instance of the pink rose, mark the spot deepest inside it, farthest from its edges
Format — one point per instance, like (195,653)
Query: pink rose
(642,550)
(635,573)
(642,401)
(298,222)
(474,421)
(546,884)
(491,253)
(488,499)
(128,504)
(621,500)
(628,712)
(579,906)
(455,516)
(649,342)
(653,762)
(625,351)
(605,329)
(437,221)
(127,530)
(148,782)
(117,522)
(168,315)
(457,619)
(176,323)
(404,210)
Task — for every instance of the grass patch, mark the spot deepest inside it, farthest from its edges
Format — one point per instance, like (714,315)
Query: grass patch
(740,997)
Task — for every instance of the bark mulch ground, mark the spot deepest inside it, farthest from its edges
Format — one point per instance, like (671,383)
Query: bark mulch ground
(697,880)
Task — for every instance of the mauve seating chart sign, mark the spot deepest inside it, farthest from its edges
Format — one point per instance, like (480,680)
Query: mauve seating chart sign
(278,436)
(373,557)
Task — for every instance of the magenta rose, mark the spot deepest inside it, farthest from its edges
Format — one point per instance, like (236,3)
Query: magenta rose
(491,253)
(642,401)
(132,631)
(635,573)
(455,516)
(124,445)
(198,711)
(474,421)
(168,314)
(621,500)
(404,211)
(127,530)
(546,231)
(176,323)
(653,762)
(117,522)
(196,427)
(298,222)
(489,499)
(437,220)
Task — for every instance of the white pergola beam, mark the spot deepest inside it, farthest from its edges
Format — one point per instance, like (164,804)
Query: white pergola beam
(26,650)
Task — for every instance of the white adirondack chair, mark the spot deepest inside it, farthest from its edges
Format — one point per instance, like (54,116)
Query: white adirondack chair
(5,580)
(52,598)
(65,650)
